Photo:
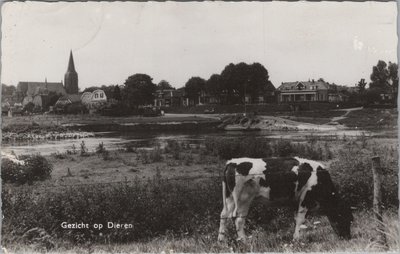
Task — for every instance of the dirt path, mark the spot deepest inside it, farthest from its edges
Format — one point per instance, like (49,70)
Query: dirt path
(209,116)
(348,110)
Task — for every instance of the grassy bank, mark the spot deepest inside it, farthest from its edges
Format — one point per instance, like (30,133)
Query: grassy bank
(367,118)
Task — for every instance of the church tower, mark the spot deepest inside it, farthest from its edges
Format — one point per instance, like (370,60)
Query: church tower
(71,77)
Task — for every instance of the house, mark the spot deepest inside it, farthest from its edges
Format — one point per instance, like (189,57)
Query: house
(303,91)
(169,97)
(94,100)
(67,99)
(33,88)
(38,92)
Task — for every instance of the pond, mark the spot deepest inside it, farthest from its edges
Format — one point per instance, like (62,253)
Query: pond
(149,139)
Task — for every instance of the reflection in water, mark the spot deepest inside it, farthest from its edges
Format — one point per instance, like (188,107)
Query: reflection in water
(115,140)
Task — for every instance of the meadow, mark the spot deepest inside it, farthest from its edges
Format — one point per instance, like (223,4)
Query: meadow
(172,197)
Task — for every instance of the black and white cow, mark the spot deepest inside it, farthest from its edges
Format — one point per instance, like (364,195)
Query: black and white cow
(304,183)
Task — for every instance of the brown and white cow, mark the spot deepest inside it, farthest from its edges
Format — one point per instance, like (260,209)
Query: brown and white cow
(304,183)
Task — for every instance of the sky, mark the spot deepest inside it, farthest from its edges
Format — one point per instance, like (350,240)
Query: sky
(295,41)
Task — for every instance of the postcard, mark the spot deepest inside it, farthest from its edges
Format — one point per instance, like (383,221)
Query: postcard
(199,127)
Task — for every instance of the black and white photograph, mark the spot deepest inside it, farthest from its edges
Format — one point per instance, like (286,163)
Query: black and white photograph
(199,127)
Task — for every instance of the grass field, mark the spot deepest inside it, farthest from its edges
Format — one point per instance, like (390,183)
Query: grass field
(182,215)
(316,238)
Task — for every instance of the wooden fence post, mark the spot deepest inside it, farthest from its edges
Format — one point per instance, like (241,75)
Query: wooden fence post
(377,201)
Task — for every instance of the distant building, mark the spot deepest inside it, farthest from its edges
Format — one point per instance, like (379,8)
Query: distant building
(71,77)
(67,99)
(37,92)
(303,91)
(94,100)
(86,98)
(34,88)
(168,98)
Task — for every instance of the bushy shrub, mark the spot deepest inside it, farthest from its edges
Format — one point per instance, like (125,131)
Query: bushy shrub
(175,148)
(130,148)
(228,148)
(283,148)
(75,108)
(352,172)
(12,172)
(100,148)
(156,155)
(117,109)
(36,168)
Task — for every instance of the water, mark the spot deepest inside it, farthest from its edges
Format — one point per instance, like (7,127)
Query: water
(115,140)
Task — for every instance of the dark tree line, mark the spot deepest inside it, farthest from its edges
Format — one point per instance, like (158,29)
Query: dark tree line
(233,83)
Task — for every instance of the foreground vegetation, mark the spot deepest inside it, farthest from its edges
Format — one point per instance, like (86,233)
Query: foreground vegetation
(171,196)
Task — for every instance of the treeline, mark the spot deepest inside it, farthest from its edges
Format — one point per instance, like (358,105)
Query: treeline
(383,86)
(231,86)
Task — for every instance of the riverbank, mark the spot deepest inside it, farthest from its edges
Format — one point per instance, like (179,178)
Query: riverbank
(334,120)
(273,123)
(54,127)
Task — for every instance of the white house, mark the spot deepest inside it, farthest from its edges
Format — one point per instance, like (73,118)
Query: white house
(93,100)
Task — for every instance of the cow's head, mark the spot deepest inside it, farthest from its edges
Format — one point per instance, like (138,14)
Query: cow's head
(341,218)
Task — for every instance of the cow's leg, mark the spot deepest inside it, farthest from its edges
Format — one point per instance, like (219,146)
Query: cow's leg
(300,218)
(244,199)
(226,215)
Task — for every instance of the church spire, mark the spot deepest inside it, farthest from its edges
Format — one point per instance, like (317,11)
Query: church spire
(71,77)
(71,65)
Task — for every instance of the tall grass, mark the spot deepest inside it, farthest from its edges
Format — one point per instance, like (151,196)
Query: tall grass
(351,170)
(183,215)
(228,148)
(154,207)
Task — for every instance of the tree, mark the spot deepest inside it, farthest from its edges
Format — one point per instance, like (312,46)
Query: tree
(384,79)
(7,90)
(163,85)
(52,99)
(379,76)
(361,86)
(29,107)
(213,84)
(394,78)
(240,79)
(117,93)
(193,88)
(139,90)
